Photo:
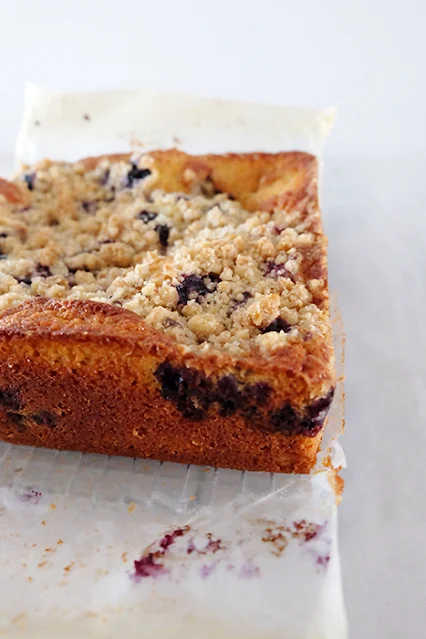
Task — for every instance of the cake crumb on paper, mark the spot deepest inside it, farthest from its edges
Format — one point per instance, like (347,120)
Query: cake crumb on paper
(69,567)
(337,483)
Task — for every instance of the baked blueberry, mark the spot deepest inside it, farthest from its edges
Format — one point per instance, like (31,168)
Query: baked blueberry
(285,419)
(278,325)
(9,399)
(163,234)
(193,287)
(237,303)
(45,418)
(105,177)
(135,175)
(272,269)
(29,179)
(42,271)
(147,216)
(89,206)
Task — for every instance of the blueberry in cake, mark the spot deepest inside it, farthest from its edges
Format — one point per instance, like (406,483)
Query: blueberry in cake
(167,306)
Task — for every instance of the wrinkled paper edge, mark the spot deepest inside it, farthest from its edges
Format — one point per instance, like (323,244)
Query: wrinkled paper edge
(120,121)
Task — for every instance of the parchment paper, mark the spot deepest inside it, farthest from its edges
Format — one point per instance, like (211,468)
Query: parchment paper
(102,547)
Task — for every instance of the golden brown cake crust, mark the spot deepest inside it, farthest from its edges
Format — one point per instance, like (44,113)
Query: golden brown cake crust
(95,377)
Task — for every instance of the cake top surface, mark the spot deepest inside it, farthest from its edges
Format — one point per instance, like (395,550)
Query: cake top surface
(218,252)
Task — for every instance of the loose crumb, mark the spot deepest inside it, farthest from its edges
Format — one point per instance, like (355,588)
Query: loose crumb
(68,568)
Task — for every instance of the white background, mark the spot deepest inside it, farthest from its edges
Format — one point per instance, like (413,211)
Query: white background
(369,58)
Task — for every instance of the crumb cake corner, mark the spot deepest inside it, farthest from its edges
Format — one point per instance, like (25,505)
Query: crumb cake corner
(194,288)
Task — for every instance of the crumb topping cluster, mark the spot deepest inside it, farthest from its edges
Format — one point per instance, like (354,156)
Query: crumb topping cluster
(196,266)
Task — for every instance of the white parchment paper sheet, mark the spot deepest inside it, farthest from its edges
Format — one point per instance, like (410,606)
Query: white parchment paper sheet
(98,546)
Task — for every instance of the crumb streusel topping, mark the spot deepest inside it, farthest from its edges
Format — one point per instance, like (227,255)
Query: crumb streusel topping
(196,266)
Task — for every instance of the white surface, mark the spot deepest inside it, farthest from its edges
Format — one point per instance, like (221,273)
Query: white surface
(254,551)
(367,57)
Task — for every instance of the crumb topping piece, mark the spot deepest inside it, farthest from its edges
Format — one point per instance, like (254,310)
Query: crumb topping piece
(196,266)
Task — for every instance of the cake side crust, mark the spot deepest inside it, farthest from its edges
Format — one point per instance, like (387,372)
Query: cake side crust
(56,389)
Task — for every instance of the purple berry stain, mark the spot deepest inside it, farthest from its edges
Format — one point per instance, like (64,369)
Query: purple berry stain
(306,531)
(213,545)
(169,539)
(303,532)
(249,570)
(191,547)
(206,571)
(32,497)
(151,564)
(322,560)
(147,566)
